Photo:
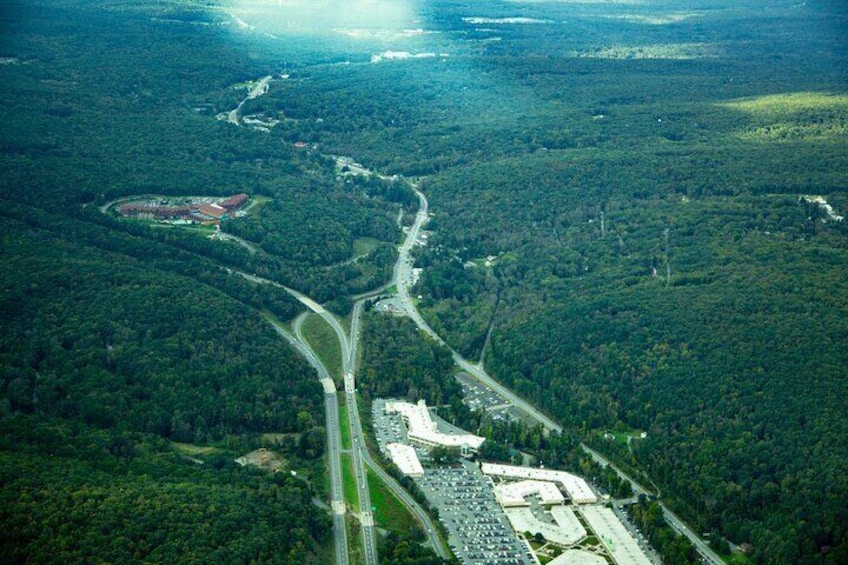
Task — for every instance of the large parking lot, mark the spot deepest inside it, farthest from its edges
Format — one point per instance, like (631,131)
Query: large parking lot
(478,396)
(389,428)
(478,529)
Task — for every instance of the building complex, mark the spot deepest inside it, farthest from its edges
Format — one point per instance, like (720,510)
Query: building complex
(200,210)
(422,430)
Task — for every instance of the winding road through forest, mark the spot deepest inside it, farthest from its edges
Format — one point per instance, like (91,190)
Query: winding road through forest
(403,280)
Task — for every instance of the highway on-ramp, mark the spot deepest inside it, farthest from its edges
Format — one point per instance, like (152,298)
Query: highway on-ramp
(361,457)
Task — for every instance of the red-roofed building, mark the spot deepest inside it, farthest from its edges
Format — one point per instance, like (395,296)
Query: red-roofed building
(234,202)
(211,210)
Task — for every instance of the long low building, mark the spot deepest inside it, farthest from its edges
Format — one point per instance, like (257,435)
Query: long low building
(615,537)
(406,459)
(578,489)
(523,520)
(578,557)
(567,520)
(423,430)
(515,494)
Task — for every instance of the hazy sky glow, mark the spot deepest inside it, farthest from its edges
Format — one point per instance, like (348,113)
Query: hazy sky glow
(279,16)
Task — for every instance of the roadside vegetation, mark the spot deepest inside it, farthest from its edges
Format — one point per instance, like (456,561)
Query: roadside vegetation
(324,342)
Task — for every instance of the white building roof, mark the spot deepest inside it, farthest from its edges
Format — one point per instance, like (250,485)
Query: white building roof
(578,557)
(567,521)
(513,494)
(615,537)
(578,489)
(406,459)
(523,520)
(422,428)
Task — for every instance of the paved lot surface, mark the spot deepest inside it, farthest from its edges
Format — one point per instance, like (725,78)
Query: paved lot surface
(478,529)
(477,396)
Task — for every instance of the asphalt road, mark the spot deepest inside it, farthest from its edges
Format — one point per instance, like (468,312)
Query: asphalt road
(360,451)
(604,462)
(411,504)
(366,516)
(480,374)
(707,554)
(334,448)
(334,442)
(403,280)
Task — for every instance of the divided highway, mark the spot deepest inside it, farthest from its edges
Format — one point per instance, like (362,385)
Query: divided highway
(366,517)
(334,447)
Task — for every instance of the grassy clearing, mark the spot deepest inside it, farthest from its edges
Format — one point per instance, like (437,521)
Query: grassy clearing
(622,437)
(794,116)
(364,245)
(192,449)
(350,493)
(737,558)
(276,438)
(789,103)
(390,512)
(323,340)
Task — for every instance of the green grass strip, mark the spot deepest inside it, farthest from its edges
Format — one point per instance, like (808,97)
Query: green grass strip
(344,424)
(350,493)
(390,513)
(324,342)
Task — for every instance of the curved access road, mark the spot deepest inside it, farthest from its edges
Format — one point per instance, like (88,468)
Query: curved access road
(403,280)
(402,276)
(366,517)
(411,504)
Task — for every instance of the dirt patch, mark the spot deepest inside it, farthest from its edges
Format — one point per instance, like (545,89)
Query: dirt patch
(263,459)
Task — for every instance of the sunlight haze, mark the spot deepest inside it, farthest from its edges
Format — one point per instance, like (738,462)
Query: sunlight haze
(305,16)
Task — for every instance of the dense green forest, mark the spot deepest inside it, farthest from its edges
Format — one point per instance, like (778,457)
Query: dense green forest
(399,363)
(126,126)
(620,227)
(76,494)
(655,266)
(135,364)
(637,180)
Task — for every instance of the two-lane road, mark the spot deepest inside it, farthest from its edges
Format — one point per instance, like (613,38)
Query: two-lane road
(403,281)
